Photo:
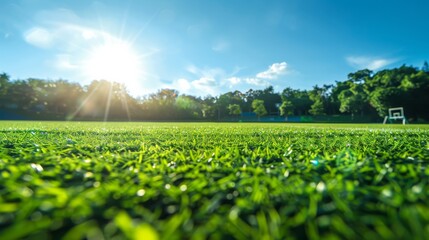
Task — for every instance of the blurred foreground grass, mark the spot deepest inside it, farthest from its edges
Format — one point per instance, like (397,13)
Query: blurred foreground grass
(71,180)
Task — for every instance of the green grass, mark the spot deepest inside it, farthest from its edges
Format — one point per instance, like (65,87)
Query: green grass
(213,181)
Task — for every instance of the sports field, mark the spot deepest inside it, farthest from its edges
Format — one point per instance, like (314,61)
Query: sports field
(94,180)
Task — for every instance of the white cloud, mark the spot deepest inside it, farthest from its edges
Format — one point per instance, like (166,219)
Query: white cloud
(370,63)
(201,87)
(233,80)
(273,71)
(182,85)
(39,37)
(197,30)
(204,81)
(193,69)
(205,72)
(220,46)
(256,81)
(215,81)
(66,36)
(64,62)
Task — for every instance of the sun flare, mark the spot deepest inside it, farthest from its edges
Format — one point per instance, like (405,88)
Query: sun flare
(114,60)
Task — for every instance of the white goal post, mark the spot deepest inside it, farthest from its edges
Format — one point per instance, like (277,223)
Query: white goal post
(396,113)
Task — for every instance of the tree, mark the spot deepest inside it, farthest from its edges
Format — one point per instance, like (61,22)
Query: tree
(105,100)
(318,96)
(363,92)
(317,108)
(352,95)
(20,95)
(226,99)
(234,109)
(189,107)
(425,67)
(271,99)
(208,107)
(286,108)
(360,76)
(161,105)
(405,86)
(259,108)
(4,84)
(64,97)
(299,99)
(4,80)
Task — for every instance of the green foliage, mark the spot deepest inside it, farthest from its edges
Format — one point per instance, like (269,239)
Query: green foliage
(234,109)
(286,108)
(364,92)
(299,101)
(4,81)
(317,108)
(92,180)
(259,108)
(425,67)
(319,96)
(352,99)
(400,87)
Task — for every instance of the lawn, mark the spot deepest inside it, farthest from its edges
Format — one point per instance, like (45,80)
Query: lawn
(93,180)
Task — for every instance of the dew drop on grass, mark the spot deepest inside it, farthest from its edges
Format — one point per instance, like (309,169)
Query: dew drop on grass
(37,167)
(286,174)
(36,216)
(321,186)
(27,178)
(386,192)
(141,192)
(416,189)
(171,209)
(183,188)
(88,184)
(233,214)
(314,162)
(96,184)
(88,175)
(46,206)
(26,192)
(167,186)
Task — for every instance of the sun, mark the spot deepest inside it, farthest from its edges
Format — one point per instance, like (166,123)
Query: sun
(116,61)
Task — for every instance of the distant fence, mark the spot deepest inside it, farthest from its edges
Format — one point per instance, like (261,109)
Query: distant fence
(5,115)
(307,119)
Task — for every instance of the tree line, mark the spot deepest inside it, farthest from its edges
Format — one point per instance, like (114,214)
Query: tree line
(363,93)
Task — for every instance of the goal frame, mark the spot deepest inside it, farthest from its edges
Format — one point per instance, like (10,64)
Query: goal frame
(396,113)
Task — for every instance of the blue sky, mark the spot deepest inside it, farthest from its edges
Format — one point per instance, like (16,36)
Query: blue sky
(209,47)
